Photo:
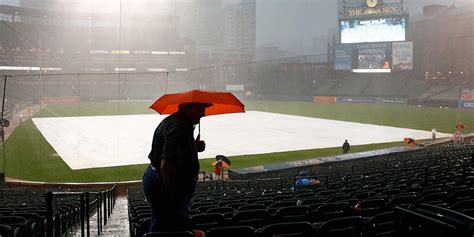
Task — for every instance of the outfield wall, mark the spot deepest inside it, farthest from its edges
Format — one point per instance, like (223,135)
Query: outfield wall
(462,104)
(359,100)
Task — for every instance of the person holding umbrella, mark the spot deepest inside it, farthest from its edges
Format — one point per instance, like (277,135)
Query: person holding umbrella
(170,180)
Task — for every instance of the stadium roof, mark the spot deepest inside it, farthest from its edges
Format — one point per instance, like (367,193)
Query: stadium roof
(446,12)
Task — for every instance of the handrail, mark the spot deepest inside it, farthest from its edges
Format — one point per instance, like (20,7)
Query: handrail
(104,199)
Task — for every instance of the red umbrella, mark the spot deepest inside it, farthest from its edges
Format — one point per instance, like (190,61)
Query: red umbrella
(460,126)
(220,163)
(222,102)
(409,141)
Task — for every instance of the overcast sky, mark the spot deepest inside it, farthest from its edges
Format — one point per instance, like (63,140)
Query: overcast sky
(301,26)
(298,26)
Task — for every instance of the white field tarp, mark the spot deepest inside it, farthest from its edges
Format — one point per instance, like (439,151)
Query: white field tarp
(105,141)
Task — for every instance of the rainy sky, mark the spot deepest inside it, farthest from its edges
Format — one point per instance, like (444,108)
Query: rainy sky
(304,24)
(299,27)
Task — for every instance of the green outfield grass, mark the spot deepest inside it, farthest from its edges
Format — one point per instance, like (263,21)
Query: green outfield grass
(30,157)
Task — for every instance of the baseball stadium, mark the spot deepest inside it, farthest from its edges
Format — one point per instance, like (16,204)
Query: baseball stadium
(395,81)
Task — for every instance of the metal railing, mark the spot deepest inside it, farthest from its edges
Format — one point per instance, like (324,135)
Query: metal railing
(103,204)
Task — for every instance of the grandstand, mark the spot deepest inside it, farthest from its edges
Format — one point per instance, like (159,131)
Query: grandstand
(366,197)
(61,64)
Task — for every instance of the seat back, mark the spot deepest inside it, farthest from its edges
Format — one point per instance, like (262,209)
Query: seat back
(170,234)
(251,207)
(292,214)
(294,229)
(14,222)
(207,220)
(221,210)
(410,224)
(345,226)
(464,224)
(231,231)
(254,218)
(380,225)
(143,227)
(331,211)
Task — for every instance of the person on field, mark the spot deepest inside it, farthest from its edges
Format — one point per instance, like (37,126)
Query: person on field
(170,180)
(433,134)
(346,147)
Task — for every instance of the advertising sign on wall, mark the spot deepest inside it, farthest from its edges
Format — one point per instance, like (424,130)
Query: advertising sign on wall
(467,94)
(362,100)
(466,104)
(61,100)
(402,56)
(343,57)
(325,99)
(393,100)
(373,57)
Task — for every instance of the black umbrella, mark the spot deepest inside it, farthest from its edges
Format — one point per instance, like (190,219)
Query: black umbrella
(224,159)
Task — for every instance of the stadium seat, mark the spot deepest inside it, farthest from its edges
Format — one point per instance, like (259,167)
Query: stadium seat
(461,194)
(311,200)
(340,227)
(206,207)
(7,231)
(35,223)
(337,197)
(292,214)
(282,197)
(410,224)
(303,195)
(251,207)
(402,201)
(294,229)
(170,234)
(231,231)
(15,222)
(142,227)
(363,194)
(437,198)
(236,205)
(372,207)
(279,204)
(463,224)
(254,218)
(464,206)
(206,221)
(380,225)
(332,210)
(221,210)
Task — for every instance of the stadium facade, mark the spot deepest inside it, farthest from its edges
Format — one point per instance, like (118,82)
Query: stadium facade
(89,38)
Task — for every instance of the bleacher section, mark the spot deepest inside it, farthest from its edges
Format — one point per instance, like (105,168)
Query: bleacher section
(47,212)
(452,93)
(350,87)
(382,88)
(428,192)
(434,90)
(324,86)
(395,88)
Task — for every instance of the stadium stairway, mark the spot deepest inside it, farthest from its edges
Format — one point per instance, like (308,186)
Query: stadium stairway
(117,223)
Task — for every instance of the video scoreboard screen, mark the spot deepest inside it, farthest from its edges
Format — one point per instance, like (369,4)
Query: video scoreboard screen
(373,30)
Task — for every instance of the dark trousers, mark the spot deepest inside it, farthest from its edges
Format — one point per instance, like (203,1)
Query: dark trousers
(167,213)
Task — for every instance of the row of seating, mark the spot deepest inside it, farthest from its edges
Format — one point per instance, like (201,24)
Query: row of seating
(423,220)
(23,212)
(440,177)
